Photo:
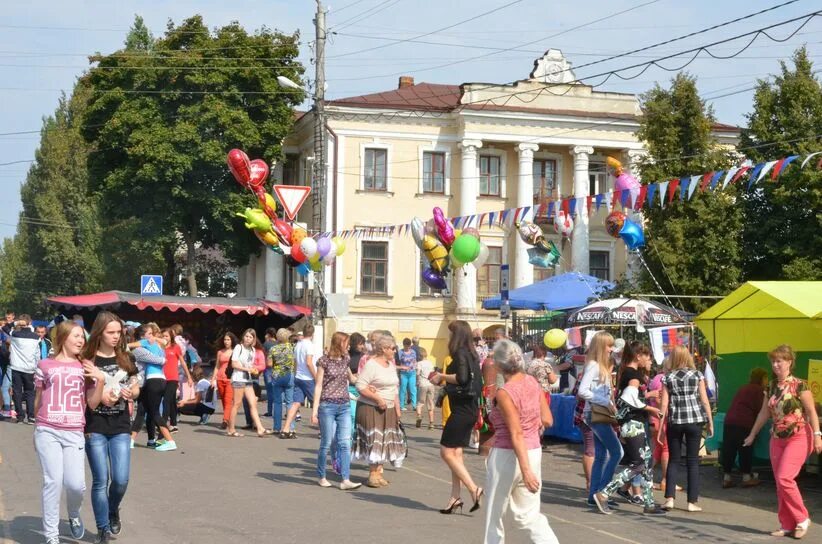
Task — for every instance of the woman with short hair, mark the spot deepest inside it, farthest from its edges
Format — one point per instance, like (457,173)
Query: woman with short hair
(794,435)
(687,409)
(514,466)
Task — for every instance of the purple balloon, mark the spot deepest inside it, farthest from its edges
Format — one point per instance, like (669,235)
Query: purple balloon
(434,279)
(323,246)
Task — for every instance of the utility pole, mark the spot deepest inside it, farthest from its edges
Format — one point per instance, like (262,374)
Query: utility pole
(318,187)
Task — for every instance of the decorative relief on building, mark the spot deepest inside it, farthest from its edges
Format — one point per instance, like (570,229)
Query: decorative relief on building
(552,68)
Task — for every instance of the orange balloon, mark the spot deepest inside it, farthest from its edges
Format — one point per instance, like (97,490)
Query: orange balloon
(297,235)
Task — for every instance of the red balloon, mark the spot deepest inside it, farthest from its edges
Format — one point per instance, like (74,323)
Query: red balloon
(240,166)
(283,231)
(298,254)
(259,173)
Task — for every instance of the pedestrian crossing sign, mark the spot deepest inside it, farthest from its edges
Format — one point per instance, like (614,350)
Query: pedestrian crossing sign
(151,285)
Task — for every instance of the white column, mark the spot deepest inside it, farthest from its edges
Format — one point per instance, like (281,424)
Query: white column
(523,271)
(466,277)
(259,279)
(251,277)
(274,268)
(579,239)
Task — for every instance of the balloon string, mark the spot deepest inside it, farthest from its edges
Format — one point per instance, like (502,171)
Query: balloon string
(658,286)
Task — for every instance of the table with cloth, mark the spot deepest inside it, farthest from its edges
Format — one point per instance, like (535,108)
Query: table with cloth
(562,408)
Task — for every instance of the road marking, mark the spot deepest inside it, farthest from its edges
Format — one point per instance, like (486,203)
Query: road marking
(552,516)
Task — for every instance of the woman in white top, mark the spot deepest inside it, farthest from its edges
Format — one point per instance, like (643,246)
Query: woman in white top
(379,439)
(242,363)
(596,388)
(426,391)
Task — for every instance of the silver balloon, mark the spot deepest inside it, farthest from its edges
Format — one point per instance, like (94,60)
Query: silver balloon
(418,231)
(482,257)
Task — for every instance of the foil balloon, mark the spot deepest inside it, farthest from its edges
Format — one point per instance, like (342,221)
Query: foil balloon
(267,238)
(466,248)
(309,247)
(615,164)
(631,233)
(563,224)
(283,231)
(482,257)
(434,279)
(624,180)
(256,219)
(418,231)
(471,231)
(445,230)
(614,222)
(258,170)
(324,246)
(240,166)
(297,254)
(544,259)
(339,245)
(532,234)
(267,203)
(436,253)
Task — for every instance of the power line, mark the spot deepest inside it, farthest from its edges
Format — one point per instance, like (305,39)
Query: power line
(351,5)
(385,4)
(423,35)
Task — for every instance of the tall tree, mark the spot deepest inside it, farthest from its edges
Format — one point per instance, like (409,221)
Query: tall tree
(693,246)
(783,233)
(55,249)
(163,115)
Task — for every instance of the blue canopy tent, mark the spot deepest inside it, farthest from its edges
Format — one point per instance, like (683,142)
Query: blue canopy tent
(563,292)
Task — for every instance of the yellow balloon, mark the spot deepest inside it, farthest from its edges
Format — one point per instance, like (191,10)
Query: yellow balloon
(555,338)
(314,259)
(339,243)
(271,202)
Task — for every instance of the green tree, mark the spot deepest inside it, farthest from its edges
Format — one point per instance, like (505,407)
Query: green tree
(163,115)
(55,249)
(783,232)
(693,247)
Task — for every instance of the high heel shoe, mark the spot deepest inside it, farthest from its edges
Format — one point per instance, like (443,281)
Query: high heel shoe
(453,505)
(477,498)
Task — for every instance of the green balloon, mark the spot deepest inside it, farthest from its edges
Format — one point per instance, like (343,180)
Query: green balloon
(316,266)
(466,248)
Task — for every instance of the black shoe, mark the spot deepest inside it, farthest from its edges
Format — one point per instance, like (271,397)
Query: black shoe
(624,494)
(267,414)
(654,510)
(114,523)
(21,420)
(247,427)
(103,537)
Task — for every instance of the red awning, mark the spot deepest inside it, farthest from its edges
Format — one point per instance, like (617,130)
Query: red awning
(113,299)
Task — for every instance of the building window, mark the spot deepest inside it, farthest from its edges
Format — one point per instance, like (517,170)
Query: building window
(433,172)
(542,273)
(374,268)
(489,175)
(488,275)
(376,164)
(545,179)
(291,169)
(599,264)
(426,291)
(597,179)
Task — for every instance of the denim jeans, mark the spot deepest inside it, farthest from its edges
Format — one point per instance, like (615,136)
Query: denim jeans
(335,424)
(408,381)
(268,380)
(5,384)
(692,435)
(282,388)
(607,453)
(109,457)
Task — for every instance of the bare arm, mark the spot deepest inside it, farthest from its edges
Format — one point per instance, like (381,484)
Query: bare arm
(663,411)
(309,362)
(318,394)
(95,397)
(511,417)
(545,415)
(38,396)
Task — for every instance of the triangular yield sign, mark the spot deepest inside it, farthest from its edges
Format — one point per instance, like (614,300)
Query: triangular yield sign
(292,198)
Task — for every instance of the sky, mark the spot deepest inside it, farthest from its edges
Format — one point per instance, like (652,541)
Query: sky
(44,47)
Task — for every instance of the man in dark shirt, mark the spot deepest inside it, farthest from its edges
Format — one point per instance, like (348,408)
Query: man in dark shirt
(5,371)
(739,420)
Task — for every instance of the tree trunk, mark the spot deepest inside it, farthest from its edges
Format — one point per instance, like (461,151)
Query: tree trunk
(191,256)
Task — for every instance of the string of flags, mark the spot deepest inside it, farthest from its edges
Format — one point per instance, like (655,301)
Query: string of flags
(645,196)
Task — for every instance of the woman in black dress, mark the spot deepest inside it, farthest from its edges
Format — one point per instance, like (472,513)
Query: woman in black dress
(463,385)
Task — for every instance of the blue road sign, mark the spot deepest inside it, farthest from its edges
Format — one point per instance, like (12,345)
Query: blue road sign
(151,285)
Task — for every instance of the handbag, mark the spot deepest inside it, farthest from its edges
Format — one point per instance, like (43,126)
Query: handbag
(603,414)
(467,391)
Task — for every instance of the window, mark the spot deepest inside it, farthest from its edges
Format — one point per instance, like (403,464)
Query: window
(542,273)
(489,176)
(291,169)
(374,268)
(599,264)
(426,291)
(375,169)
(433,172)
(597,179)
(545,179)
(488,275)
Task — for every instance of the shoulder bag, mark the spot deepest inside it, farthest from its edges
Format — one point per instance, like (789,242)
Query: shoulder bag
(603,414)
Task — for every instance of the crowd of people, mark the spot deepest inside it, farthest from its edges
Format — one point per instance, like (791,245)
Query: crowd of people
(90,394)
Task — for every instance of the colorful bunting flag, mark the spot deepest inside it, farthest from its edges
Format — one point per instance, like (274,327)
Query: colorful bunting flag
(650,194)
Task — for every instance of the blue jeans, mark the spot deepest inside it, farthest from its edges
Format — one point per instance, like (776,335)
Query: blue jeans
(607,453)
(408,380)
(268,380)
(335,424)
(5,383)
(282,391)
(109,457)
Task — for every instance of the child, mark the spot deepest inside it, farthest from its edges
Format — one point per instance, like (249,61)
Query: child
(61,395)
(201,405)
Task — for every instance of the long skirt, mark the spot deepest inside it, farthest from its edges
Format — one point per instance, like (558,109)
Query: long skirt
(379,438)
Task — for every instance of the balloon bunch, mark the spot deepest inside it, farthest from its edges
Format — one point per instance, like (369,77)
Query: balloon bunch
(618,225)
(544,253)
(624,180)
(306,253)
(446,248)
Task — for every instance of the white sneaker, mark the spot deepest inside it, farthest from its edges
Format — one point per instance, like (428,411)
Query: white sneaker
(348,485)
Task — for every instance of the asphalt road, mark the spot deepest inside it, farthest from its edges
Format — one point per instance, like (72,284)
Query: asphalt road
(219,490)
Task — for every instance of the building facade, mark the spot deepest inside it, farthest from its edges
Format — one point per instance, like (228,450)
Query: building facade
(468,149)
